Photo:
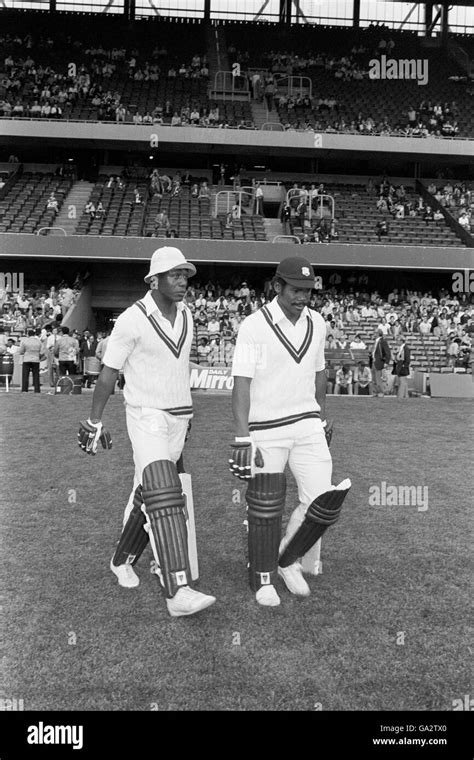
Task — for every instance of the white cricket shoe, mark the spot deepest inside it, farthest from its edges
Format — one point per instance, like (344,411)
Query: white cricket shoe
(187,601)
(293,579)
(126,575)
(267,596)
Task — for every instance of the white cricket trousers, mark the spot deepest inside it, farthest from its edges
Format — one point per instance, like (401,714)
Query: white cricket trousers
(154,435)
(303,447)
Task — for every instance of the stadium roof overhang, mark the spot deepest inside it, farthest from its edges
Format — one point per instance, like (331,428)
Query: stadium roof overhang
(90,135)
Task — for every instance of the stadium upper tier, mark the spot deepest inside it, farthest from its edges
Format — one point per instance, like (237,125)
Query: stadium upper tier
(165,73)
(189,207)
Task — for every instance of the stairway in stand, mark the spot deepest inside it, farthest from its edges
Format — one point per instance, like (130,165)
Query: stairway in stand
(72,207)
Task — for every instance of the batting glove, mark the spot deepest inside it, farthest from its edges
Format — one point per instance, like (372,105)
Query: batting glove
(243,453)
(89,435)
(328,426)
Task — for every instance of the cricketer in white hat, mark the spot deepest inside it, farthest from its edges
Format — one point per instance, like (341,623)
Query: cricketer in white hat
(151,343)
(167,258)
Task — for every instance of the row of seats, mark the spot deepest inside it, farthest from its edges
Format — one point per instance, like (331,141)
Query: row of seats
(426,351)
(122,215)
(24,209)
(357,216)
(381,99)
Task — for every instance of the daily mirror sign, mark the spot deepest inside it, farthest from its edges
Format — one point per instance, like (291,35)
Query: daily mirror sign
(211,378)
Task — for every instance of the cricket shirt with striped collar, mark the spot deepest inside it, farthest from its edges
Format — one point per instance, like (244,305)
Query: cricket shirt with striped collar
(154,356)
(282,359)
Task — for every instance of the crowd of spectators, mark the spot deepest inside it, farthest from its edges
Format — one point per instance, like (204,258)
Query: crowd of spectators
(219,311)
(37,307)
(394,200)
(458,199)
(30,89)
(324,112)
(432,118)
(33,89)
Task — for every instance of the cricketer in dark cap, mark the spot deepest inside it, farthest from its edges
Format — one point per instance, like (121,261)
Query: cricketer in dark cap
(278,403)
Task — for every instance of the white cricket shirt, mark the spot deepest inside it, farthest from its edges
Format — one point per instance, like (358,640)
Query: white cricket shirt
(282,360)
(154,356)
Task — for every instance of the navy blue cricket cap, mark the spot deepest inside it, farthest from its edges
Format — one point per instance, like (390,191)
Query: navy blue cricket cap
(296,271)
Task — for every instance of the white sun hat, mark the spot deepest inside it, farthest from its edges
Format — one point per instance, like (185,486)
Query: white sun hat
(167,258)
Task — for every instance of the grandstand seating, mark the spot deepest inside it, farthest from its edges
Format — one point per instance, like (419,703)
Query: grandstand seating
(122,216)
(381,99)
(23,209)
(428,352)
(357,216)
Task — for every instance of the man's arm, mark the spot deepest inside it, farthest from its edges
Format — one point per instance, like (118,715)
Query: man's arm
(321,380)
(241,405)
(103,389)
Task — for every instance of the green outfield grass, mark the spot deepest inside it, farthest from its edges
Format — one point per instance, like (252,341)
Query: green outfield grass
(386,625)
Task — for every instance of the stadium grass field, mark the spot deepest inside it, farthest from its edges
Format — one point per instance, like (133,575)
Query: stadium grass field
(386,625)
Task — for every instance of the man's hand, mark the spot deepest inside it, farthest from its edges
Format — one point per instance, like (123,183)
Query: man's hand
(243,453)
(328,430)
(89,435)
(188,430)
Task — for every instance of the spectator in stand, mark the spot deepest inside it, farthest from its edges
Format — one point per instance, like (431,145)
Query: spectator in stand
(428,216)
(344,380)
(161,221)
(384,326)
(362,379)
(66,299)
(203,351)
(269,93)
(333,233)
(381,229)
(52,203)
(302,210)
(464,221)
(357,343)
(342,342)
(213,326)
(120,113)
(90,209)
(204,191)
(258,199)
(285,217)
(424,327)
